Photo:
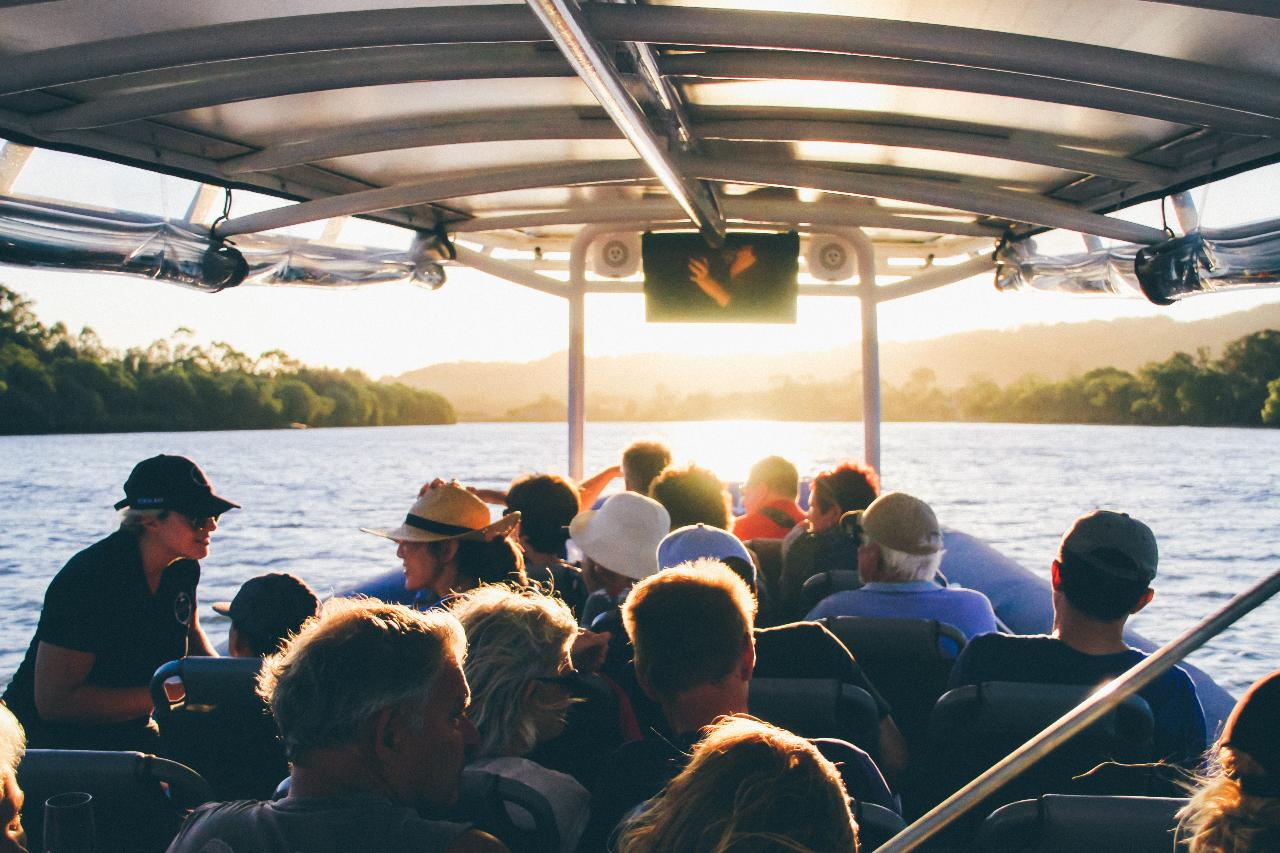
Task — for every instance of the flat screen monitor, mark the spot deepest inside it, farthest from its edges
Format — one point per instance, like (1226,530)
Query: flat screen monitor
(752,279)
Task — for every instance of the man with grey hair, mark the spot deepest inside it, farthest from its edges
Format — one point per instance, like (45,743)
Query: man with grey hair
(371,703)
(13,744)
(898,559)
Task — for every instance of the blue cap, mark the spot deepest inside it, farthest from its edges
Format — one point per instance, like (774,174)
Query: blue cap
(697,541)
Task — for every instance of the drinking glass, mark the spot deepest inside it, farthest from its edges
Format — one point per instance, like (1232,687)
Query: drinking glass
(68,823)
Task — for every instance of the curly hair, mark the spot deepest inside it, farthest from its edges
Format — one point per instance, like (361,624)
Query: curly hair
(749,788)
(357,658)
(692,495)
(513,636)
(848,486)
(1222,818)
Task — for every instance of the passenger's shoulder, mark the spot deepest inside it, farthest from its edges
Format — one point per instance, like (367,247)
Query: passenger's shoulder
(475,841)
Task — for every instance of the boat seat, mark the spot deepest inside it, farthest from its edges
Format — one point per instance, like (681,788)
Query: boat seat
(768,553)
(975,726)
(1056,823)
(139,800)
(219,726)
(487,800)
(908,661)
(823,584)
(818,708)
(876,825)
(593,727)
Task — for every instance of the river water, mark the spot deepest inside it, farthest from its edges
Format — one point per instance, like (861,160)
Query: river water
(1212,496)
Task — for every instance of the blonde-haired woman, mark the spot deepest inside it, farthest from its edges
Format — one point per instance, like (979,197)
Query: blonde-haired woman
(1236,808)
(519,668)
(749,788)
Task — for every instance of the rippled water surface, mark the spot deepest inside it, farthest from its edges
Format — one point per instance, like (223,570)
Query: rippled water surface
(1211,495)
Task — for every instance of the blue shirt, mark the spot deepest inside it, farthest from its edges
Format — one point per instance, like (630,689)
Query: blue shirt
(967,610)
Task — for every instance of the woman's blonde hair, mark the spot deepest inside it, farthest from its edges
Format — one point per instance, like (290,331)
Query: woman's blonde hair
(749,788)
(1222,818)
(514,635)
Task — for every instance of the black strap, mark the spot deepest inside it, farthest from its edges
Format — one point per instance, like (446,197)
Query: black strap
(778,517)
(436,526)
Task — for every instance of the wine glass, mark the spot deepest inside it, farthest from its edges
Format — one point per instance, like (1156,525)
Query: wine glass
(68,823)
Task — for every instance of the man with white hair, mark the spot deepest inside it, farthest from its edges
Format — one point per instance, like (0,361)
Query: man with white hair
(898,559)
(371,702)
(13,743)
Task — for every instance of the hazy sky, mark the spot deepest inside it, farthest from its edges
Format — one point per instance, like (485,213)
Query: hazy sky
(388,329)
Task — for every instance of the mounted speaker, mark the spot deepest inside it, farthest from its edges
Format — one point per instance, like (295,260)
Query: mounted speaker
(829,258)
(616,255)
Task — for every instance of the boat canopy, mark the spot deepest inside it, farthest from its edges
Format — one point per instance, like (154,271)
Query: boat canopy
(536,141)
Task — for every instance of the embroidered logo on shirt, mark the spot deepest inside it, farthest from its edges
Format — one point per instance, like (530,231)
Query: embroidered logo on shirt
(182,608)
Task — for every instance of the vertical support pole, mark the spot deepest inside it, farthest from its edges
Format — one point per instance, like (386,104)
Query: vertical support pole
(1184,208)
(13,157)
(867,301)
(577,413)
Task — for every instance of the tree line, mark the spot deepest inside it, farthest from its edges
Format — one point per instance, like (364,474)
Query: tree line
(1240,388)
(54,382)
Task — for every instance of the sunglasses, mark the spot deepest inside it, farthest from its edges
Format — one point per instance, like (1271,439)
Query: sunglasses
(200,522)
(566,680)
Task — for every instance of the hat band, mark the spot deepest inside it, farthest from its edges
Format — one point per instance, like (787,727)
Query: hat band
(436,526)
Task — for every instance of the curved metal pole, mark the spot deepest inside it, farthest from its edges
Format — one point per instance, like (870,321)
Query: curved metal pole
(963,196)
(510,272)
(999,142)
(1081,717)
(828,213)
(961,46)
(577,413)
(206,86)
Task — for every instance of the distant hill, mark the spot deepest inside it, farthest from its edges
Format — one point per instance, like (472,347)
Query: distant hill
(488,390)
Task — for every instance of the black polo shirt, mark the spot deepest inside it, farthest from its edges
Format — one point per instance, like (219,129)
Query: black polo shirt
(100,603)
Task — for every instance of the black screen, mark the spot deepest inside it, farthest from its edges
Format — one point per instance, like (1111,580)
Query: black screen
(752,279)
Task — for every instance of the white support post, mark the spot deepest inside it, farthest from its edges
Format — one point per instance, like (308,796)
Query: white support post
(1184,208)
(13,157)
(577,413)
(866,252)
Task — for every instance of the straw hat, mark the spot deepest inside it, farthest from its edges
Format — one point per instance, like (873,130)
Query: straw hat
(623,535)
(448,511)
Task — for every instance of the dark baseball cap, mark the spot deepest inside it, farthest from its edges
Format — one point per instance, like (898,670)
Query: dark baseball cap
(172,482)
(1253,728)
(1114,543)
(271,606)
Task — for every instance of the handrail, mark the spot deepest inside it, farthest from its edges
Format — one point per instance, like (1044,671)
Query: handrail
(1081,717)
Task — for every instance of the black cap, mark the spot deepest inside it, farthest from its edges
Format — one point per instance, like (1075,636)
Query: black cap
(271,606)
(172,482)
(1253,728)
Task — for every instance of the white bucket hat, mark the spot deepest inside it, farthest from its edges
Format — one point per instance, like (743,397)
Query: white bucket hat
(448,511)
(623,535)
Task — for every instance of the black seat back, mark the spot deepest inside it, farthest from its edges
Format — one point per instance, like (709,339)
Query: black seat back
(220,726)
(1056,823)
(975,726)
(876,825)
(908,661)
(823,584)
(818,708)
(139,800)
(505,809)
(768,554)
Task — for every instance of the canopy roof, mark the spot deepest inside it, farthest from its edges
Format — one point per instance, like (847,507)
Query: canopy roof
(925,123)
